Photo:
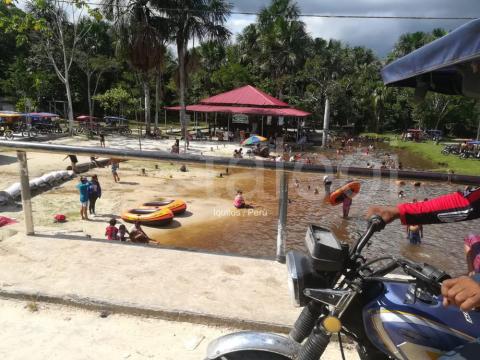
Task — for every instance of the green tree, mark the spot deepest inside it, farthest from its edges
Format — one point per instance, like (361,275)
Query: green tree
(57,35)
(200,20)
(116,100)
(94,56)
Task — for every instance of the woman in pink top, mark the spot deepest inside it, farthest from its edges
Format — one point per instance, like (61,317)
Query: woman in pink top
(239,201)
(472,252)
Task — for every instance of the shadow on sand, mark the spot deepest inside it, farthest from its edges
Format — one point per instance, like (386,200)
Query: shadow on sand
(7,160)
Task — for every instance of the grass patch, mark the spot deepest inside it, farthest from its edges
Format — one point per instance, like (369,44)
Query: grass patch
(433,153)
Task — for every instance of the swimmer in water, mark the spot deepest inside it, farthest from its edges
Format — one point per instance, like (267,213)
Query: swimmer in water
(327,183)
(401,194)
(415,234)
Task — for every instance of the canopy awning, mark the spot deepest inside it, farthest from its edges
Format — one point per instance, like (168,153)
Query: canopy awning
(449,65)
(39,115)
(86,117)
(10,114)
(243,110)
(114,118)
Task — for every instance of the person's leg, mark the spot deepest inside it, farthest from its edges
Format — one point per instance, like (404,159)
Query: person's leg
(81,211)
(93,200)
(90,204)
(85,210)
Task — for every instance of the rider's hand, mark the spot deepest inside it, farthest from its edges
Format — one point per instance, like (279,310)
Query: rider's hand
(463,292)
(388,213)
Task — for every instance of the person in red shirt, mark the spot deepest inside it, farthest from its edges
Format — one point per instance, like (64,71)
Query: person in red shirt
(111,232)
(463,291)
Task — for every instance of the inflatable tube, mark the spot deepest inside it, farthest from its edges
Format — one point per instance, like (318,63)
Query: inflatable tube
(149,217)
(5,198)
(13,190)
(351,189)
(176,206)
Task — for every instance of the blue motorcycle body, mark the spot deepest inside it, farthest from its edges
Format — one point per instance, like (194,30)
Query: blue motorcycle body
(419,330)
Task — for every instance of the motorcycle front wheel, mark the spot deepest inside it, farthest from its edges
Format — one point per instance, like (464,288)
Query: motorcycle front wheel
(252,355)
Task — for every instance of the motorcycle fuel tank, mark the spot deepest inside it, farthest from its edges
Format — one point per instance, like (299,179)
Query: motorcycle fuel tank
(419,330)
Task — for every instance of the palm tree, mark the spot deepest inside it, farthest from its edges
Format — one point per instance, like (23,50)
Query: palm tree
(193,19)
(278,41)
(141,38)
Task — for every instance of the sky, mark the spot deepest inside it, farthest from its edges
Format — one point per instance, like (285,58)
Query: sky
(377,34)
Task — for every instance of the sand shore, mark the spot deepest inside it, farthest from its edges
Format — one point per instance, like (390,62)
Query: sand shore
(162,181)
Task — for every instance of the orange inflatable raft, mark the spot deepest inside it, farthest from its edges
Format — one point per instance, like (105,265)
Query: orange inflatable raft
(351,189)
(176,206)
(149,217)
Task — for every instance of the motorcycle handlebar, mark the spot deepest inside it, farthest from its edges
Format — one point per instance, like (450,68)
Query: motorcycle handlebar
(375,224)
(426,275)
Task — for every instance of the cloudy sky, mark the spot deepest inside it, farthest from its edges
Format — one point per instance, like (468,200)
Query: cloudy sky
(378,34)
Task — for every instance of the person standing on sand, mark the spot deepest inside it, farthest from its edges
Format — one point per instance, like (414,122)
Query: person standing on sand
(94,193)
(83,189)
(102,139)
(115,167)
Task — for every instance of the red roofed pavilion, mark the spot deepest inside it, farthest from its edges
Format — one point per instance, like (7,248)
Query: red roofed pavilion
(246,109)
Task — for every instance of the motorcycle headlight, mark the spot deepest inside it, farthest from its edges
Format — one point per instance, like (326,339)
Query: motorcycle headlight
(299,270)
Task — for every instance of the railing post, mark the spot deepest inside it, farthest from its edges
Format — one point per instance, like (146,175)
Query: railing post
(282,217)
(25,190)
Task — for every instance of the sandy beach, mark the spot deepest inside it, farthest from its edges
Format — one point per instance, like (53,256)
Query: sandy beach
(162,180)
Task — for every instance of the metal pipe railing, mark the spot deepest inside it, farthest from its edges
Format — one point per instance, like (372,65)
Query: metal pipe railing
(159,155)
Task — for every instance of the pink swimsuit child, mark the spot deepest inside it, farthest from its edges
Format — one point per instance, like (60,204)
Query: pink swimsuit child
(239,202)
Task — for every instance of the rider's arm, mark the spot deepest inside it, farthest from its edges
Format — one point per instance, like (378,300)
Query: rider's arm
(458,206)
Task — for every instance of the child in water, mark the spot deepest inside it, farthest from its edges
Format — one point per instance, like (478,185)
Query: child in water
(346,204)
(327,183)
(415,232)
(239,201)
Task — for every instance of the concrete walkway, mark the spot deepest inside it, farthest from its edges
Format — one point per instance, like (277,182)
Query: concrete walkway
(39,331)
(129,278)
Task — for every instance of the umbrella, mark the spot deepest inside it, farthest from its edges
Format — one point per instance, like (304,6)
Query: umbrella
(254,139)
(449,65)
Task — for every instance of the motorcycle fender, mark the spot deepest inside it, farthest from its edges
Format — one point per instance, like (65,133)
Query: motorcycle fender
(251,340)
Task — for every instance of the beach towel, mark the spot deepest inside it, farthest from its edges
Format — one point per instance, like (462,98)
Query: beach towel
(6,221)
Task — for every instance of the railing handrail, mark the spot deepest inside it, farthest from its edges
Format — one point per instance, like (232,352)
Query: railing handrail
(160,155)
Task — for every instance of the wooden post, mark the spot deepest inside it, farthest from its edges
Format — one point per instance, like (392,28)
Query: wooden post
(282,217)
(25,190)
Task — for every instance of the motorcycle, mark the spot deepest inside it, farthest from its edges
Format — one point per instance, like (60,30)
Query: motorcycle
(344,294)
(451,149)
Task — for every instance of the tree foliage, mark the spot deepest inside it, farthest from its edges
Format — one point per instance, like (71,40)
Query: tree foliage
(124,56)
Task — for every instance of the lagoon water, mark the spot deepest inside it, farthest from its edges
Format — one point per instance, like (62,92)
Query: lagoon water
(252,232)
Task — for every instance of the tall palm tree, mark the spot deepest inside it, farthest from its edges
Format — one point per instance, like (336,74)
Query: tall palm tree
(193,19)
(141,38)
(282,41)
